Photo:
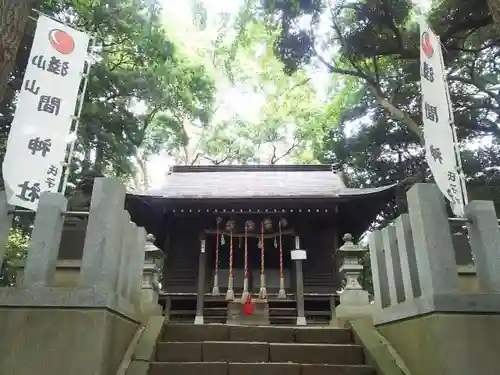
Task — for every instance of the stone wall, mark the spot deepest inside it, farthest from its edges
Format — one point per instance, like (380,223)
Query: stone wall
(83,326)
(438,316)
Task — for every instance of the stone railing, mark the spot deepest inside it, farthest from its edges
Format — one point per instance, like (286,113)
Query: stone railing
(111,269)
(414,263)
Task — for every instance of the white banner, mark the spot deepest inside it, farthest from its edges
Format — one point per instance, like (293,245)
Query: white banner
(440,140)
(38,137)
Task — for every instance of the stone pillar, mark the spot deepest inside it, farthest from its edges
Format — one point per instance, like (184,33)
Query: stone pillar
(407,256)
(44,246)
(100,264)
(354,301)
(379,271)
(435,256)
(74,229)
(393,262)
(125,255)
(136,266)
(298,256)
(5,224)
(484,236)
(200,293)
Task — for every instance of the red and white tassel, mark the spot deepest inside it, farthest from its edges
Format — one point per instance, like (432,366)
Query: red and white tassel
(245,295)
(215,290)
(263,290)
(281,292)
(230,290)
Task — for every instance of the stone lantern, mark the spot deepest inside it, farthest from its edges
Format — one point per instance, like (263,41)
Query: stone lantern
(150,283)
(152,253)
(354,301)
(351,266)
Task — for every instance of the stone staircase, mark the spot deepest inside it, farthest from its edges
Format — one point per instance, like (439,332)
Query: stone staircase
(185,349)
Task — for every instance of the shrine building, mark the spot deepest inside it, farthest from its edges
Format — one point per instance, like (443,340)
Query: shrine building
(228,232)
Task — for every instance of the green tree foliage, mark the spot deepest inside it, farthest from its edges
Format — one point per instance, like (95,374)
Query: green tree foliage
(15,252)
(140,89)
(371,50)
(287,121)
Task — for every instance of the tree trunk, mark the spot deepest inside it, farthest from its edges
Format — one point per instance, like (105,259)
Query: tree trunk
(99,159)
(193,135)
(141,178)
(87,162)
(494,6)
(398,114)
(13,17)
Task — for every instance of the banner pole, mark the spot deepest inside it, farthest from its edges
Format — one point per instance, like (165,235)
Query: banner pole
(69,157)
(465,199)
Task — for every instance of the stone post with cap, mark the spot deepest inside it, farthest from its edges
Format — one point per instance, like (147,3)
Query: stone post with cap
(298,256)
(354,301)
(150,284)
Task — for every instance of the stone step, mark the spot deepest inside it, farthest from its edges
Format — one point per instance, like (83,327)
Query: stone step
(233,351)
(323,335)
(222,368)
(333,354)
(221,332)
(193,368)
(190,332)
(309,369)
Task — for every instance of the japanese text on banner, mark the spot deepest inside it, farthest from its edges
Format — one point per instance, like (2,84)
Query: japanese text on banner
(440,142)
(38,138)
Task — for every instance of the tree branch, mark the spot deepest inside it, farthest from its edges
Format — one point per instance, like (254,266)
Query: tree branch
(302,83)
(275,159)
(396,113)
(195,159)
(334,69)
(215,161)
(466,25)
(473,83)
(388,17)
(148,120)
(273,155)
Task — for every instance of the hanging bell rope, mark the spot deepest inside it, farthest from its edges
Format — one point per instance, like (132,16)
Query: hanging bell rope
(281,293)
(215,290)
(230,290)
(244,297)
(263,290)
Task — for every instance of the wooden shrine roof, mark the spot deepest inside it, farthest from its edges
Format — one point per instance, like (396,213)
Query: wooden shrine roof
(211,188)
(256,181)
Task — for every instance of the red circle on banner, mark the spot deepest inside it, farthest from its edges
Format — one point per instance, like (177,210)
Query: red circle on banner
(426,45)
(61,41)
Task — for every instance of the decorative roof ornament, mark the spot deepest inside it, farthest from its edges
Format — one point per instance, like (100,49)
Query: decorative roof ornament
(249,225)
(230,225)
(283,223)
(268,224)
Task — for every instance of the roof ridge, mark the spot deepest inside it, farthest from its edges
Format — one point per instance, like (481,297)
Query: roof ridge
(253,168)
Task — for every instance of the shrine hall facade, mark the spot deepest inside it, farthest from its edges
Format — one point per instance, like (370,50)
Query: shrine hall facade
(245,220)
